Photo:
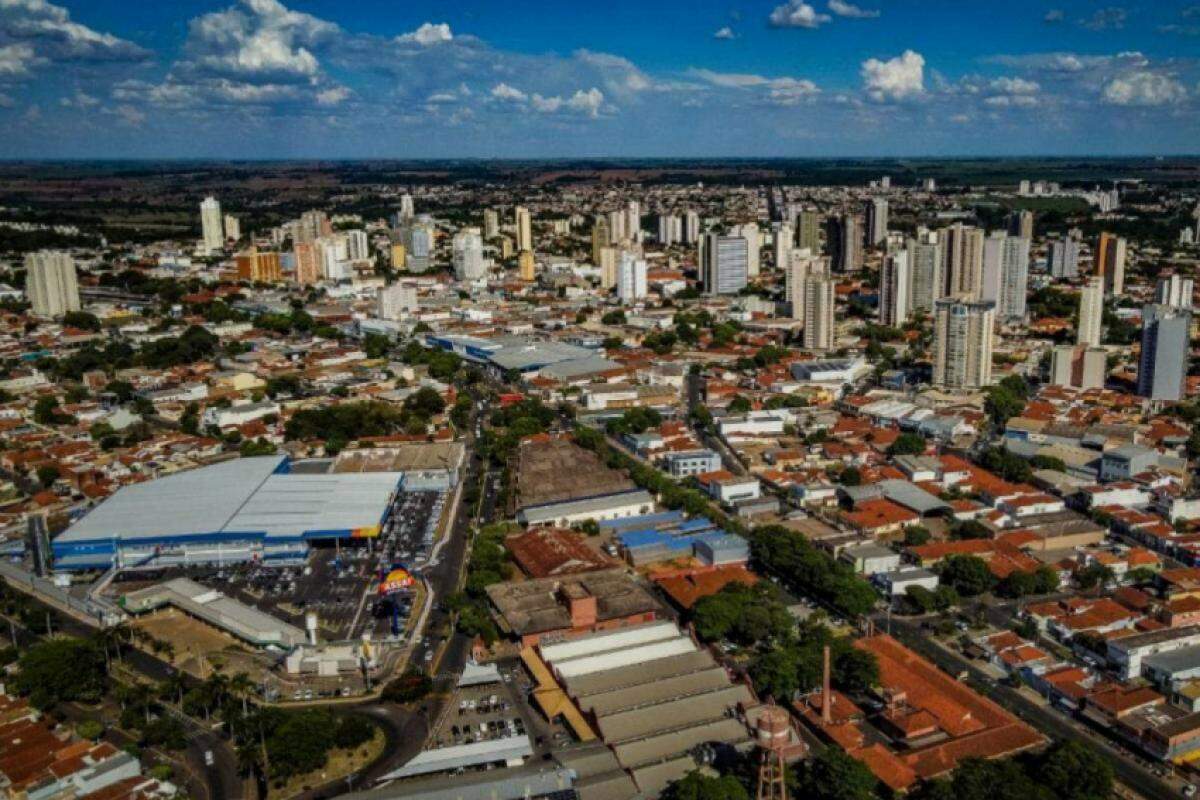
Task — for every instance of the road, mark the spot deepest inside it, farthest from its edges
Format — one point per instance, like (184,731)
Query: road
(1044,719)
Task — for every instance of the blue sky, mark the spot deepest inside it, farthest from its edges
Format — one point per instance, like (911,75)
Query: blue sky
(414,79)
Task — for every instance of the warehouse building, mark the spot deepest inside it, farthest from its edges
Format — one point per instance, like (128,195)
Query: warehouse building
(247,509)
(652,695)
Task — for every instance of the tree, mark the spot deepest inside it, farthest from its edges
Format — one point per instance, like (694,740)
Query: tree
(967,575)
(907,444)
(57,670)
(1075,771)
(834,775)
(698,786)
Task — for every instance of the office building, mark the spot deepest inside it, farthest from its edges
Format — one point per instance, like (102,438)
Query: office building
(1110,263)
(1005,274)
(1078,366)
(233,228)
(524,225)
(397,300)
(1174,290)
(1063,257)
(1020,224)
(723,268)
(308,264)
(212,225)
(782,245)
(491,224)
(51,283)
(925,264)
(749,232)
(893,290)
(1162,367)
(808,230)
(962,250)
(691,227)
(526,265)
(843,238)
(259,266)
(802,265)
(877,220)
(1091,312)
(963,342)
(631,278)
(819,330)
(467,253)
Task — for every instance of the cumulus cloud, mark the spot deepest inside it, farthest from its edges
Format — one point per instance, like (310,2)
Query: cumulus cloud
(51,31)
(725,33)
(844,9)
(1144,89)
(428,34)
(899,78)
(797,14)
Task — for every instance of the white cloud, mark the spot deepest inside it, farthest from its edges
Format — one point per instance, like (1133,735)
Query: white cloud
(844,9)
(429,33)
(797,14)
(1144,89)
(725,33)
(502,91)
(332,96)
(899,78)
(16,59)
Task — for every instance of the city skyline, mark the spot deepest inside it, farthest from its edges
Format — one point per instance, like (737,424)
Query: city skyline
(265,79)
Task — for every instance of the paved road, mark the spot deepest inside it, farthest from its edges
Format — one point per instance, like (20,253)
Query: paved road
(1044,719)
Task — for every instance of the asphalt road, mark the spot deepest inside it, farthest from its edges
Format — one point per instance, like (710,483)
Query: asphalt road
(1044,719)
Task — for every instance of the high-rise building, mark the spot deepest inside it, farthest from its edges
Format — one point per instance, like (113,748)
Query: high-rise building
(819,331)
(782,244)
(1091,312)
(358,246)
(308,263)
(1110,263)
(877,220)
(1174,290)
(527,265)
(51,283)
(843,238)
(749,232)
(925,264)
(259,266)
(491,224)
(524,224)
(962,249)
(467,252)
(724,265)
(962,352)
(233,228)
(397,300)
(691,227)
(1078,366)
(893,290)
(631,278)
(607,263)
(1005,274)
(1063,257)
(808,230)
(212,225)
(802,265)
(1162,367)
(1020,224)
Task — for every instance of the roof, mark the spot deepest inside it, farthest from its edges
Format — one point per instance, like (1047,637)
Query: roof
(246,495)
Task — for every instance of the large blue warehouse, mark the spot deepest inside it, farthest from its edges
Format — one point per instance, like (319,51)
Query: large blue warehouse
(242,510)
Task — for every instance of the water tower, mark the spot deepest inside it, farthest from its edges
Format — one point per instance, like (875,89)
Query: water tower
(774,734)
